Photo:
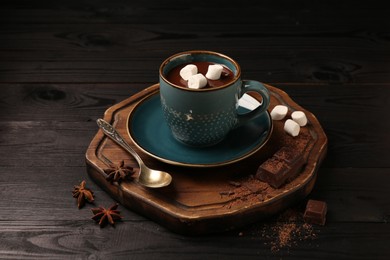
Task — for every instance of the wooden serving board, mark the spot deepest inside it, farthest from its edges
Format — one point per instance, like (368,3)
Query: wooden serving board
(208,200)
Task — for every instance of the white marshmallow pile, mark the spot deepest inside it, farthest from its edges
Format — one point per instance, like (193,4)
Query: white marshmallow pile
(279,112)
(188,71)
(197,80)
(214,71)
(291,126)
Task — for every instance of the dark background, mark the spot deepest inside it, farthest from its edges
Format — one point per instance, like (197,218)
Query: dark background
(63,63)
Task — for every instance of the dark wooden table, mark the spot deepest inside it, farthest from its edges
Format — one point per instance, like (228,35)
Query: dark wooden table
(63,63)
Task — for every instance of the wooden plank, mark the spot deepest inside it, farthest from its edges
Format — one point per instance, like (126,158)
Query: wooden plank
(44,193)
(299,13)
(84,239)
(353,122)
(81,53)
(84,42)
(61,102)
(193,203)
(26,110)
(102,41)
(30,192)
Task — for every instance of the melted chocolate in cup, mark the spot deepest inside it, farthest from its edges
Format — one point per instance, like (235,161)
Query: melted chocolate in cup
(174,77)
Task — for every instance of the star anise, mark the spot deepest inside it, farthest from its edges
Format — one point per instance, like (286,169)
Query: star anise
(119,172)
(103,215)
(82,194)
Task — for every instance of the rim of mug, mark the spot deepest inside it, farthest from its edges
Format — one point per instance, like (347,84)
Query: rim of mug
(192,52)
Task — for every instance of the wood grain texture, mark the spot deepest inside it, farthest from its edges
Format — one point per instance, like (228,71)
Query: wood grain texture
(66,111)
(77,239)
(81,56)
(126,42)
(63,63)
(192,204)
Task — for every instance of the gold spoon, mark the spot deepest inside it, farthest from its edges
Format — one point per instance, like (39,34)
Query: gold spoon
(147,177)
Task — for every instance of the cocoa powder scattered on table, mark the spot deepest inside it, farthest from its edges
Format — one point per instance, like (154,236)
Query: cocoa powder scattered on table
(288,230)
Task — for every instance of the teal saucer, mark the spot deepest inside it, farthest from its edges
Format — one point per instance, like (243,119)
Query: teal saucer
(148,130)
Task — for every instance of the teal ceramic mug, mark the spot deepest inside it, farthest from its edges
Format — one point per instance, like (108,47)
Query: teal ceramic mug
(204,117)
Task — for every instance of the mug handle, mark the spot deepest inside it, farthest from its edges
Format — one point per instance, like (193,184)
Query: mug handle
(255,86)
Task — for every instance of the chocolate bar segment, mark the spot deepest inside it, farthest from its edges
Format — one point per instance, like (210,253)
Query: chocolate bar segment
(282,167)
(315,212)
(293,159)
(273,171)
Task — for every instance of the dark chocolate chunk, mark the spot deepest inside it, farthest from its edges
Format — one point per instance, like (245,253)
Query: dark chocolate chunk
(282,167)
(315,212)
(273,171)
(286,154)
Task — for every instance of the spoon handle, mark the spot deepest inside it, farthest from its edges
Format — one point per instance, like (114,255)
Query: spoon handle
(110,131)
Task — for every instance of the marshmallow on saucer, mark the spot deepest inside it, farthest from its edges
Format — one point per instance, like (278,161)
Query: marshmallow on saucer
(248,102)
(187,71)
(292,127)
(214,71)
(279,112)
(299,117)
(197,81)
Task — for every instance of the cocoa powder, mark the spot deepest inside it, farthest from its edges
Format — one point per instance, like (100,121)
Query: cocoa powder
(251,190)
(247,190)
(289,228)
(287,231)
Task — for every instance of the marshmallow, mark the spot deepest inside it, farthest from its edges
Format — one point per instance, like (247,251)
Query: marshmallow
(214,71)
(299,117)
(292,127)
(188,71)
(248,102)
(279,112)
(197,81)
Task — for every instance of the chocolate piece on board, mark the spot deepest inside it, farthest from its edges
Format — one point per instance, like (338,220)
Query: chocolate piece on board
(293,159)
(273,171)
(315,212)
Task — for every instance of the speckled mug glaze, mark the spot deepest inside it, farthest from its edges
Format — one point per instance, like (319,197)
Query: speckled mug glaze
(203,117)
